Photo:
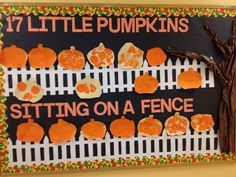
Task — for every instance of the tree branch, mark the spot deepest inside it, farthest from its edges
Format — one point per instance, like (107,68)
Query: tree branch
(232,39)
(223,47)
(208,61)
(234,27)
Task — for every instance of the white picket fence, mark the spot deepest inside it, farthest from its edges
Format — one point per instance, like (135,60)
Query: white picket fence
(112,148)
(57,81)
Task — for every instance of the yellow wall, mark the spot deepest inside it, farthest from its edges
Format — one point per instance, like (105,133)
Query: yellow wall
(196,170)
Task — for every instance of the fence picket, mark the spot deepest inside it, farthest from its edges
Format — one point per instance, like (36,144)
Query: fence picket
(204,141)
(99,149)
(188,142)
(164,143)
(10,154)
(107,145)
(148,146)
(81,147)
(196,143)
(52,81)
(90,150)
(132,148)
(112,80)
(170,76)
(105,81)
(212,140)
(19,151)
(60,80)
(28,156)
(173,143)
(73,150)
(129,81)
(123,147)
(46,149)
(70,83)
(162,77)
(179,145)
(116,147)
(140,147)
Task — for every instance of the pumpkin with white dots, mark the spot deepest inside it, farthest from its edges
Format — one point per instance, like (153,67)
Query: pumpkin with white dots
(177,125)
(101,56)
(71,59)
(202,122)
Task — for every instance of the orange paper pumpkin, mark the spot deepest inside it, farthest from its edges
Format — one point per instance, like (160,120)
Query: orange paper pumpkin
(29,131)
(13,57)
(176,125)
(93,130)
(189,79)
(42,57)
(123,128)
(71,59)
(62,131)
(156,56)
(149,127)
(130,56)
(145,84)
(202,122)
(101,56)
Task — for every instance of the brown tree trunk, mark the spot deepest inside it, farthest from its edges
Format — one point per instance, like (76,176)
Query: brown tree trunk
(225,72)
(232,99)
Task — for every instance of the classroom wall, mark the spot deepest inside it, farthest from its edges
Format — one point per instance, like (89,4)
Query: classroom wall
(221,169)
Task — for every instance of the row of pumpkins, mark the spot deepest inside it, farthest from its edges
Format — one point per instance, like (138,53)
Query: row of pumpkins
(129,57)
(63,131)
(88,88)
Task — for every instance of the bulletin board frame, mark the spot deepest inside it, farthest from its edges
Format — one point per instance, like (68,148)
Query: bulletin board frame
(90,10)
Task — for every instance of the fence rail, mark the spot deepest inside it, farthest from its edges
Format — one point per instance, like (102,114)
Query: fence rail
(112,148)
(57,81)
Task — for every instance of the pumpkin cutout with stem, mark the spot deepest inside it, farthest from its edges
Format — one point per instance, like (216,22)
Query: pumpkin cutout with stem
(122,128)
(88,88)
(189,79)
(101,56)
(71,59)
(29,132)
(176,125)
(42,57)
(29,91)
(145,84)
(149,127)
(93,130)
(13,57)
(156,56)
(202,122)
(130,56)
(62,131)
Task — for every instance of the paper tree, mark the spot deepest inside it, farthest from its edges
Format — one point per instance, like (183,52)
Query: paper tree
(225,72)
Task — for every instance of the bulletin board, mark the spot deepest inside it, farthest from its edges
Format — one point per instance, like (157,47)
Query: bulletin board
(98,87)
